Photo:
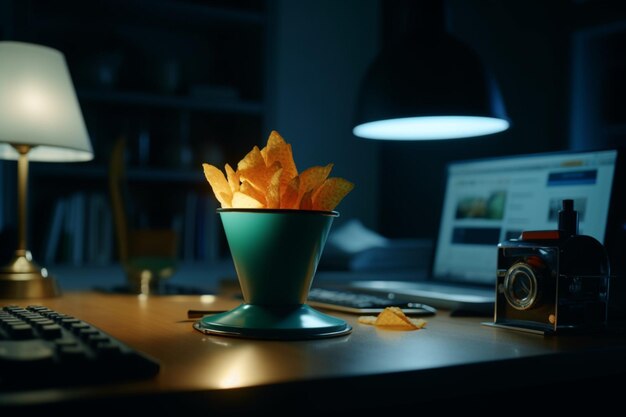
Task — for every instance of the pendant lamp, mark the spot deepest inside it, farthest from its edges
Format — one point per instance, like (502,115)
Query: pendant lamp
(428,85)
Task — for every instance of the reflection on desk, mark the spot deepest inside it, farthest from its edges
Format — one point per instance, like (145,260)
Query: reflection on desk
(370,369)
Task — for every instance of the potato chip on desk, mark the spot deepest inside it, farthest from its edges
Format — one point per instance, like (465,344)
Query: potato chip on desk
(393,318)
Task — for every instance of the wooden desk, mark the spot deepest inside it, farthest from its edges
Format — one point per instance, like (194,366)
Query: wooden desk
(453,358)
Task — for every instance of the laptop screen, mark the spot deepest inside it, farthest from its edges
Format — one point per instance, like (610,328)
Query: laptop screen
(492,200)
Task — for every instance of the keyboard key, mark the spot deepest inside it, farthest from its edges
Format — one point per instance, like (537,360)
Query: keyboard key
(21,331)
(108,349)
(42,322)
(355,302)
(67,322)
(95,340)
(51,331)
(77,327)
(89,331)
(24,351)
(72,353)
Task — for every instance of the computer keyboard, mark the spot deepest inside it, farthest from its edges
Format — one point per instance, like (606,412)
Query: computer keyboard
(41,348)
(356,302)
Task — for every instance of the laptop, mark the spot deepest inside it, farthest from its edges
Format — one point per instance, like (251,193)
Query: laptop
(491,200)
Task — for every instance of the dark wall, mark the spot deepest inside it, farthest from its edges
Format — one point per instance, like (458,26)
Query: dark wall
(322,48)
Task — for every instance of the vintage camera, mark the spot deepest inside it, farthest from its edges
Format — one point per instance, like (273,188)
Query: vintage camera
(550,281)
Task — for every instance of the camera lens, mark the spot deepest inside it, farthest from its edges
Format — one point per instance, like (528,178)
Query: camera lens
(520,286)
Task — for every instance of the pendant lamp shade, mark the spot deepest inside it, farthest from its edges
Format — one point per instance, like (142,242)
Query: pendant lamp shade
(428,87)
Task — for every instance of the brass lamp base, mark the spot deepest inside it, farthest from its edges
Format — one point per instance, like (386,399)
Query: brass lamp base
(22,278)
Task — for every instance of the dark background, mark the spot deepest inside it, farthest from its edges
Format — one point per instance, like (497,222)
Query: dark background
(557,64)
(206,80)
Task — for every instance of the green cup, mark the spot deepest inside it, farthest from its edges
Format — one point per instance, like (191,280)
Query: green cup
(276,253)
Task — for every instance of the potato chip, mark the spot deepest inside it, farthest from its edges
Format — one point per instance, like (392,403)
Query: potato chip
(272,194)
(313,177)
(233,178)
(398,312)
(306,203)
(250,191)
(289,199)
(226,200)
(252,160)
(330,193)
(268,178)
(277,150)
(371,320)
(388,318)
(419,323)
(253,169)
(393,318)
(241,200)
(218,182)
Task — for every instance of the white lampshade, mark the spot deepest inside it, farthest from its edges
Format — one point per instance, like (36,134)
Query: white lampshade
(38,105)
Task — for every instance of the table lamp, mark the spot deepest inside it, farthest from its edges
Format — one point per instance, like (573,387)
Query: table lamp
(40,121)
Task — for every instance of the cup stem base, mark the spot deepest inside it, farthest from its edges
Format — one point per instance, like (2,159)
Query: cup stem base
(273,322)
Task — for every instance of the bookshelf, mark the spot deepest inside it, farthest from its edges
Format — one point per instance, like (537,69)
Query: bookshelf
(182,81)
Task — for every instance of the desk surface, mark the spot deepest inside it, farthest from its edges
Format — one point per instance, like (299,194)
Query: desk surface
(451,356)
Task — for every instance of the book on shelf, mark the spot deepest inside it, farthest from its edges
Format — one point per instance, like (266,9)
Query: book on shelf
(207,237)
(200,237)
(188,236)
(100,230)
(2,202)
(8,196)
(54,232)
(76,229)
(80,231)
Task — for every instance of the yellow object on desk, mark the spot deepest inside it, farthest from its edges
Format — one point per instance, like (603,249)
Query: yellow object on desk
(393,318)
